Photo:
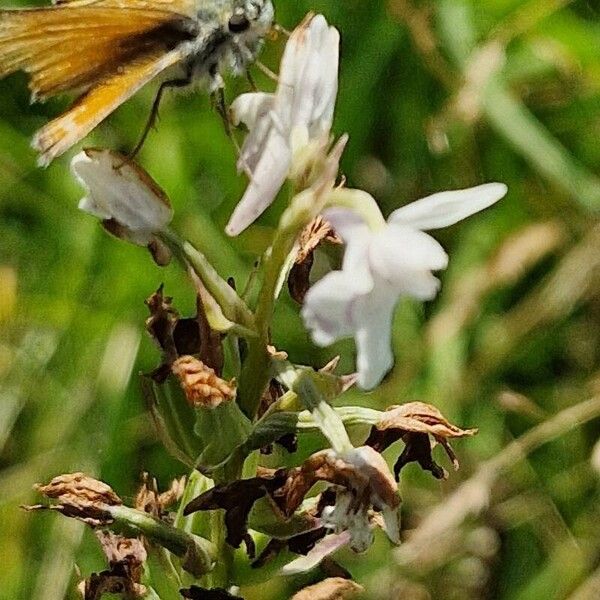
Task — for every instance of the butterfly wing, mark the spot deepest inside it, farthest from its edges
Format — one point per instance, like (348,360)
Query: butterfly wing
(68,48)
(106,49)
(94,106)
(180,7)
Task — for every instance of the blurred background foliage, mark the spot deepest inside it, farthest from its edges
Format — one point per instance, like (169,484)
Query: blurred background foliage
(435,95)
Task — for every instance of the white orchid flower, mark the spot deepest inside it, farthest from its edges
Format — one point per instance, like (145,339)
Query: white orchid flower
(370,486)
(382,262)
(127,200)
(291,127)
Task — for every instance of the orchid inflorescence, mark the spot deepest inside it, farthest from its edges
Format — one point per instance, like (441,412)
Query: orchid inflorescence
(223,397)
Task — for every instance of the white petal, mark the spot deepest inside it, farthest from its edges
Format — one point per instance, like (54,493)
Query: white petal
(325,547)
(347,223)
(254,110)
(391,523)
(250,108)
(308,77)
(396,249)
(374,335)
(121,190)
(304,98)
(357,236)
(329,308)
(268,177)
(446,208)
(420,285)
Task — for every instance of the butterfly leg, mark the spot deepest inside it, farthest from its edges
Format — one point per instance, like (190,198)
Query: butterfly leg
(222,108)
(251,81)
(151,122)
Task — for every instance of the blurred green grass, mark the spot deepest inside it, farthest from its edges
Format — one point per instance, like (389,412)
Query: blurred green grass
(435,95)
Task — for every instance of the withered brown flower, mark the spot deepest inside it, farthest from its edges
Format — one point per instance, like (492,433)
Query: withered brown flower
(149,500)
(361,480)
(80,497)
(315,233)
(203,388)
(237,498)
(414,422)
(126,557)
(177,336)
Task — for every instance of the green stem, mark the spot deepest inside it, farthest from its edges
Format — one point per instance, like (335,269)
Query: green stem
(233,307)
(303,208)
(197,554)
(221,574)
(301,382)
(256,372)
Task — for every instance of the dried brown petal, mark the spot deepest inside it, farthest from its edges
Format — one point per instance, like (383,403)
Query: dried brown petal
(413,423)
(276,354)
(181,336)
(80,486)
(160,252)
(422,418)
(418,449)
(197,593)
(149,500)
(201,385)
(299,279)
(333,588)
(373,467)
(237,498)
(80,497)
(161,323)
(315,233)
(209,348)
(119,549)
(126,558)
(113,581)
(331,366)
(368,471)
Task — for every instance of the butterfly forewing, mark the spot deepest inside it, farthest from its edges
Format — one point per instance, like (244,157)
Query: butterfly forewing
(180,7)
(95,105)
(72,48)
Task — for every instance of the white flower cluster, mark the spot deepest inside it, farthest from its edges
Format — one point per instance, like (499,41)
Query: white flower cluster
(289,138)
(289,131)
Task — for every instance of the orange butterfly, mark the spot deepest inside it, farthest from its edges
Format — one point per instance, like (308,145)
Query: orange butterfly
(108,49)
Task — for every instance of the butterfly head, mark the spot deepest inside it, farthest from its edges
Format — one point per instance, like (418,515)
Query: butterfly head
(251,19)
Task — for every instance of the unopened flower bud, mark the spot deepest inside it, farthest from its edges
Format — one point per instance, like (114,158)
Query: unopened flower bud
(130,204)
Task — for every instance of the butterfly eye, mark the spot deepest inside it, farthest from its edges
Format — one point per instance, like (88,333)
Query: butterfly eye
(238,23)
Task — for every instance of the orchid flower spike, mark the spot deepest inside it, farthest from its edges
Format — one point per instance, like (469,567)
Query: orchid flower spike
(290,129)
(128,201)
(383,262)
